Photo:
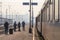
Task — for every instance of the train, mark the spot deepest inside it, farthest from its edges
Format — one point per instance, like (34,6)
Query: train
(48,20)
(3,20)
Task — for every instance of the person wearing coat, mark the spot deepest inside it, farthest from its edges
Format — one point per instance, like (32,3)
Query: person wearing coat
(6,24)
(19,25)
(15,26)
(23,25)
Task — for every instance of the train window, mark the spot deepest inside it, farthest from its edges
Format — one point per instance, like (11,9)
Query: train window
(48,14)
(53,10)
(51,1)
(45,14)
(56,10)
(51,13)
(59,10)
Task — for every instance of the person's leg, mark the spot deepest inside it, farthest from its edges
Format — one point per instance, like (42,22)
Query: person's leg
(6,31)
(23,28)
(18,28)
(14,29)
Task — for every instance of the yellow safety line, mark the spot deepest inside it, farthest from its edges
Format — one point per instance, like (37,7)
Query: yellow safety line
(33,34)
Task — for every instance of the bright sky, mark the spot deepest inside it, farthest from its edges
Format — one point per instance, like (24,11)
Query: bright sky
(17,7)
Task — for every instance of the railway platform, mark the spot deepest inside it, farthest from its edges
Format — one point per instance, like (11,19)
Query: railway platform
(18,35)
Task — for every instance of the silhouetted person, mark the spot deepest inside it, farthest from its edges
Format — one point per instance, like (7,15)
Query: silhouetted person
(19,25)
(23,25)
(15,26)
(6,24)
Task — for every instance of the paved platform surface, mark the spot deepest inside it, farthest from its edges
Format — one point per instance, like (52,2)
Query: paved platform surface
(23,35)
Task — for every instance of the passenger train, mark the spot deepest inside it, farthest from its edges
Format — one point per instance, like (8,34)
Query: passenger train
(48,20)
(3,20)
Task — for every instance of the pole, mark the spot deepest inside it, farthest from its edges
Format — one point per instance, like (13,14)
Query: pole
(16,17)
(12,17)
(30,29)
(32,15)
(41,21)
(6,13)
(9,13)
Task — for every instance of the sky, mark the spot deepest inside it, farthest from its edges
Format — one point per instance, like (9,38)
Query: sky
(17,7)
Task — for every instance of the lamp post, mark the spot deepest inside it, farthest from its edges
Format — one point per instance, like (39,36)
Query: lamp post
(32,15)
(9,10)
(6,13)
(12,18)
(27,3)
(9,13)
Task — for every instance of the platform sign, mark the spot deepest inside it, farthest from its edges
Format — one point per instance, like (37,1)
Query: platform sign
(27,3)
(34,3)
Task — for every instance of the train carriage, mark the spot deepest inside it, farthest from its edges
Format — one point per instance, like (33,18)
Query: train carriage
(49,20)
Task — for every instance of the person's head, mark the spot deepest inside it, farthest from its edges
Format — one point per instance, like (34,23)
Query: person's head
(15,22)
(19,22)
(5,21)
(23,21)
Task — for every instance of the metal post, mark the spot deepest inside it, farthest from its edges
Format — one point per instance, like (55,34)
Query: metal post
(16,17)
(6,13)
(32,15)
(12,17)
(9,13)
(30,29)
(41,20)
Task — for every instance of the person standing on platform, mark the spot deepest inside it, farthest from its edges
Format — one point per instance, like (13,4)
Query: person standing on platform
(6,24)
(19,25)
(15,26)
(23,25)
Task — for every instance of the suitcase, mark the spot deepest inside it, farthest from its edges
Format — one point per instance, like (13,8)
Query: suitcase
(10,31)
